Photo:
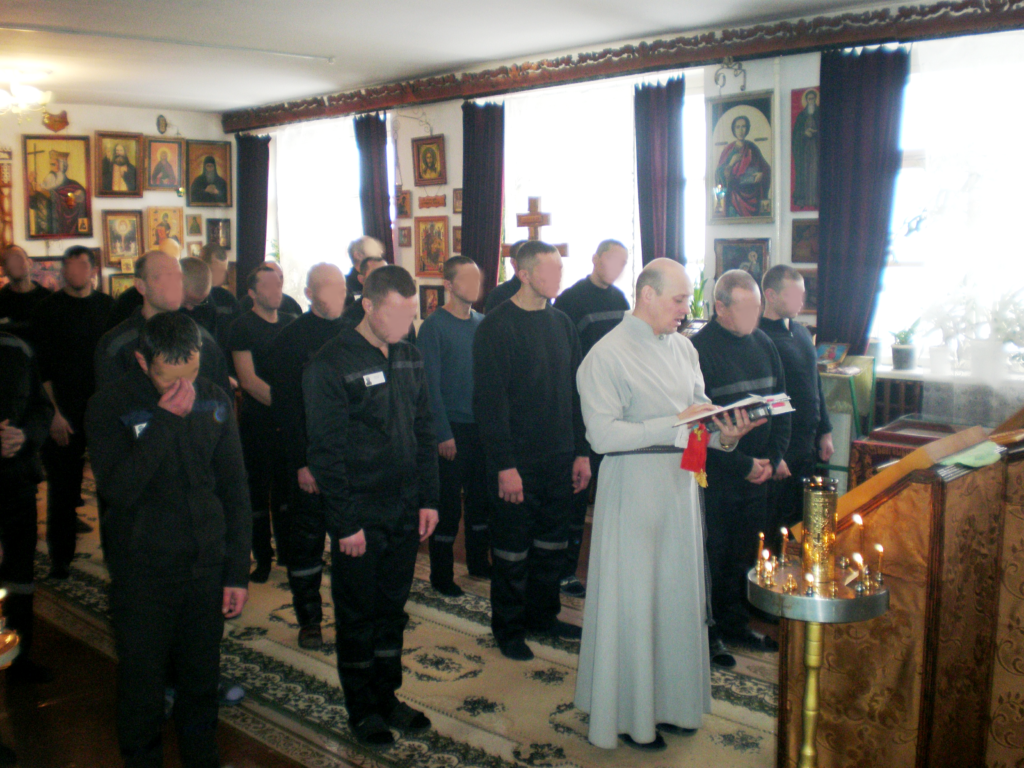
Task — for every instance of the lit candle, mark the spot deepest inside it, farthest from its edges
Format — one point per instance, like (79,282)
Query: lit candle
(760,548)
(809,578)
(860,564)
(785,541)
(859,522)
(880,550)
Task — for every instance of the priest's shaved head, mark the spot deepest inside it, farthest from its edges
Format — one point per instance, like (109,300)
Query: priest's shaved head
(326,291)
(738,302)
(362,247)
(389,299)
(663,293)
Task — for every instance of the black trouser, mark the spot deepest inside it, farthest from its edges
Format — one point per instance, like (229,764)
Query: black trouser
(18,537)
(467,472)
(64,467)
(787,496)
(266,466)
(529,542)
(578,521)
(306,553)
(369,594)
(160,625)
(736,512)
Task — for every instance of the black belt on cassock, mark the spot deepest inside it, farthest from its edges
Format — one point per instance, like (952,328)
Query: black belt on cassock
(649,449)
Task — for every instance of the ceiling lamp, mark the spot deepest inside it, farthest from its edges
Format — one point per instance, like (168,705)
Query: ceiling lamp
(23,98)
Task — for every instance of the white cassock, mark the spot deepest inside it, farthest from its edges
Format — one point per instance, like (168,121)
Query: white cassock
(644,657)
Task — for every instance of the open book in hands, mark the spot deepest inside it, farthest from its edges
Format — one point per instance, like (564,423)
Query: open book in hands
(756,406)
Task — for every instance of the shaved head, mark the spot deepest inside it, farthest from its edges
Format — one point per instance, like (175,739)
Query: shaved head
(663,292)
(325,289)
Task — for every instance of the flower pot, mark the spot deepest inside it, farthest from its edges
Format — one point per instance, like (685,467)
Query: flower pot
(904,357)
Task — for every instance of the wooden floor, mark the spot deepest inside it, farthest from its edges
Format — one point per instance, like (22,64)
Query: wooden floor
(69,723)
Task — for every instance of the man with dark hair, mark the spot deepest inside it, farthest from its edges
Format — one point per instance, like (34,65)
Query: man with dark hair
(21,294)
(158,280)
(354,313)
(289,306)
(373,455)
(595,306)
(196,284)
(510,287)
(290,351)
(249,342)
(525,357)
(359,249)
(216,258)
(25,415)
(811,434)
(446,343)
(167,460)
(209,186)
(738,360)
(66,327)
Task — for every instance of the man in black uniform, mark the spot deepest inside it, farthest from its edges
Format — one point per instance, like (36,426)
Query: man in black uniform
(249,342)
(167,459)
(509,288)
(358,250)
(811,435)
(525,357)
(196,283)
(289,306)
(66,326)
(21,294)
(374,457)
(289,353)
(25,415)
(354,312)
(738,360)
(158,278)
(216,258)
(595,306)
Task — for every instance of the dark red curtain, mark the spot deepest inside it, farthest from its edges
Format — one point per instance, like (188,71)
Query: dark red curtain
(374,190)
(861,108)
(483,185)
(658,116)
(251,209)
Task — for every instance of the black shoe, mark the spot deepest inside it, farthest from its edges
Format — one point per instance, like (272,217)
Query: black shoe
(311,638)
(658,745)
(572,587)
(24,671)
(260,574)
(720,656)
(755,641)
(81,526)
(517,650)
(562,630)
(675,730)
(483,572)
(60,572)
(407,720)
(451,589)
(374,731)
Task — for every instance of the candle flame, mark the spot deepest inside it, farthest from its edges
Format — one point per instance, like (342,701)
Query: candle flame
(809,578)
(879,549)
(858,559)
(858,519)
(766,554)
(785,533)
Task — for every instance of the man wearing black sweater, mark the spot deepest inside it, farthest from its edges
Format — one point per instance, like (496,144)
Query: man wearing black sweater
(502,293)
(21,294)
(167,459)
(811,435)
(66,327)
(738,360)
(290,351)
(525,356)
(595,306)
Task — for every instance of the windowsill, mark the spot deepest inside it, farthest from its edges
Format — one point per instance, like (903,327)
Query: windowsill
(883,371)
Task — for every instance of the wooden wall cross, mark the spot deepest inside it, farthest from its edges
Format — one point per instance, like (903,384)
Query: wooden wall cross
(532,220)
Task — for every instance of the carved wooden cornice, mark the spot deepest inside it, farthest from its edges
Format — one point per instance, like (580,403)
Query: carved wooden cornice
(883,25)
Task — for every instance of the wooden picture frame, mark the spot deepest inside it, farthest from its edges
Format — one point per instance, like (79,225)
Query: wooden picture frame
(120,283)
(741,189)
(162,224)
(403,203)
(46,271)
(431,233)
(219,231)
(805,148)
(206,187)
(457,200)
(122,235)
(165,159)
(405,237)
(804,244)
(194,248)
(119,163)
(457,241)
(749,254)
(432,298)
(810,277)
(193,225)
(428,161)
(58,187)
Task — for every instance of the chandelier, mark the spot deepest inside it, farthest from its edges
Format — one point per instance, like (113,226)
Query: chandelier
(22,98)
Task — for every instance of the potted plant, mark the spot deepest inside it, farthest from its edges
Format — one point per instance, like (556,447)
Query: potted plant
(697,300)
(904,353)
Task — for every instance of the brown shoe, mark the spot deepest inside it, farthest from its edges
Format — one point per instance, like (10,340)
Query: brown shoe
(310,638)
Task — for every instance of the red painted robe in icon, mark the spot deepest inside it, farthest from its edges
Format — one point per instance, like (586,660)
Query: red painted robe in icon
(737,172)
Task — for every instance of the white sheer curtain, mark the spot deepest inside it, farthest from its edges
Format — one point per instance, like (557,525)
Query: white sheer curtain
(316,177)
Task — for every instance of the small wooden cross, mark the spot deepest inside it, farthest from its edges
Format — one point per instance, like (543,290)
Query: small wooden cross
(532,220)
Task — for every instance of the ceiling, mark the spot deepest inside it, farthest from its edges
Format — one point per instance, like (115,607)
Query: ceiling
(215,55)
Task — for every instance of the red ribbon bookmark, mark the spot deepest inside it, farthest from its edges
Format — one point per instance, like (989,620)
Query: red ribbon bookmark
(695,457)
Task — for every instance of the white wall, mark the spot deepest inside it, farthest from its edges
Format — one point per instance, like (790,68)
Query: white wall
(85,120)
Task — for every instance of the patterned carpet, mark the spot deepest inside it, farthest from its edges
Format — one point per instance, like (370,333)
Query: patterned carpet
(487,710)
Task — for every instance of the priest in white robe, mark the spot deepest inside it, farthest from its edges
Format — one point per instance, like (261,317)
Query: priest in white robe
(644,664)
